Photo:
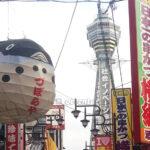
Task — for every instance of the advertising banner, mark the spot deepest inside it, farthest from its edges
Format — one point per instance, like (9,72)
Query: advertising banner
(103,143)
(121,99)
(11,136)
(143,48)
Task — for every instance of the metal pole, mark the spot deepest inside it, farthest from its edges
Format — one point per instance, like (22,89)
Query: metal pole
(60,136)
(114,135)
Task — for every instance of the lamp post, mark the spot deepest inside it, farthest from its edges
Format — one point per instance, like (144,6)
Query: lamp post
(86,147)
(76,112)
(85,121)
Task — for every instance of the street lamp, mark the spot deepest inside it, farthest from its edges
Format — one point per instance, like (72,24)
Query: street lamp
(76,112)
(60,120)
(85,122)
(95,131)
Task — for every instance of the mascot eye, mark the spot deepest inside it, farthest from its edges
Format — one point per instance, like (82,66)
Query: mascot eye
(35,68)
(19,70)
(5,78)
(44,70)
(53,79)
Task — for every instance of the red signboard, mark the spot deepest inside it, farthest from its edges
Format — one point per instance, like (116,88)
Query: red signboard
(139,16)
(11,136)
(103,142)
(54,113)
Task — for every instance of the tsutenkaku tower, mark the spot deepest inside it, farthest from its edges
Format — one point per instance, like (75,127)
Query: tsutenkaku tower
(103,36)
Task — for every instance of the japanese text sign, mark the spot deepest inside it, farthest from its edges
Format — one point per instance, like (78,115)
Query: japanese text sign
(143,51)
(11,136)
(121,99)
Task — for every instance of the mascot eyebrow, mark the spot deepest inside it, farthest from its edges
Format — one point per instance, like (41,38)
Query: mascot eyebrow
(39,56)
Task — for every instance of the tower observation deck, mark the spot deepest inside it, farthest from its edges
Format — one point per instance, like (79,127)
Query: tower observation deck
(103,36)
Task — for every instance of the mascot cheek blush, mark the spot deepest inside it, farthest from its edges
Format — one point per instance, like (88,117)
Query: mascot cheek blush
(27,82)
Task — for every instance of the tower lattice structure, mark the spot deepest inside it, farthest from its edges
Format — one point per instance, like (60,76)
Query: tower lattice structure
(103,36)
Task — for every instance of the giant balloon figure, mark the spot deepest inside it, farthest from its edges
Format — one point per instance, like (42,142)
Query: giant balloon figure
(27,84)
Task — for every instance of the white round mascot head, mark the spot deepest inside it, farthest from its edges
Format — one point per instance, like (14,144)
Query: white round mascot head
(27,82)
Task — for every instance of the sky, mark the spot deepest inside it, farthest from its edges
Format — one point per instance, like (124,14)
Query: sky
(47,24)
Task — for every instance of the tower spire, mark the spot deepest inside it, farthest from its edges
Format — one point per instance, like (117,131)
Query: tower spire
(99,7)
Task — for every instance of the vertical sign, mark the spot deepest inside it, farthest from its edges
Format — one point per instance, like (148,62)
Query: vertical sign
(143,30)
(139,11)
(142,48)
(121,100)
(11,136)
(105,98)
(21,136)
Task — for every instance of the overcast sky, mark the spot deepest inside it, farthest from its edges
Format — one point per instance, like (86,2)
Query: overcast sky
(47,23)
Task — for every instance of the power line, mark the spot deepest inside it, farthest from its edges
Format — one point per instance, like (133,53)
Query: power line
(118,56)
(111,6)
(66,34)
(73,98)
(58,1)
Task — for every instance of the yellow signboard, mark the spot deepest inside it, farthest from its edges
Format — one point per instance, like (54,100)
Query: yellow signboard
(121,100)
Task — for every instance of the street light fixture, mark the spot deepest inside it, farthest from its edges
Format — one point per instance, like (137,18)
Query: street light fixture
(60,120)
(85,122)
(76,113)
(94,131)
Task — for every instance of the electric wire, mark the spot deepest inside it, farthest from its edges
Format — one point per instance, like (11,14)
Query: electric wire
(62,48)
(65,95)
(58,1)
(117,49)
(8,19)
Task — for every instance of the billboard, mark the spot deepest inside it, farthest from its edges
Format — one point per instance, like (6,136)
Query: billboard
(139,11)
(54,113)
(121,99)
